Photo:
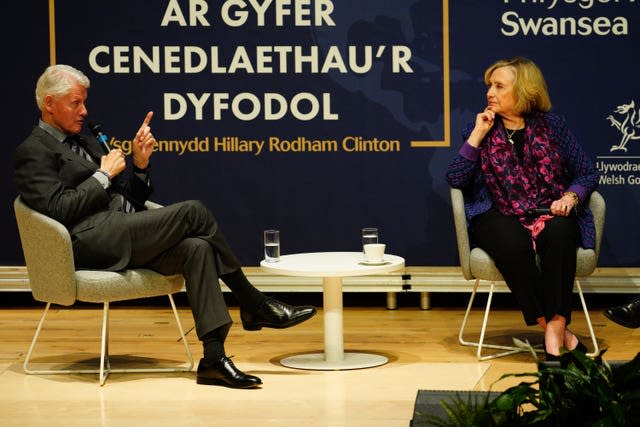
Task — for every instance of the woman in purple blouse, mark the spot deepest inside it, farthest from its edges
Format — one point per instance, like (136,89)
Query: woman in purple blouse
(516,157)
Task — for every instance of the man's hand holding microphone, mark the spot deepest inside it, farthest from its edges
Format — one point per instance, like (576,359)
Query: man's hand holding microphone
(113,163)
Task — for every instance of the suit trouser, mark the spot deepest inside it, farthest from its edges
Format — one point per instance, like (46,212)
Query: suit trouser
(539,291)
(184,238)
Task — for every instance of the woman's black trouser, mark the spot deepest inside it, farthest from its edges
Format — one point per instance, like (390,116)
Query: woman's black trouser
(543,291)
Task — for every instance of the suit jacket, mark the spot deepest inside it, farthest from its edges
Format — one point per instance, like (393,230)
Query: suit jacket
(57,182)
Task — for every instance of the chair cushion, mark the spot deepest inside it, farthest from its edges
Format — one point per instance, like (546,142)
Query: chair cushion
(586,262)
(103,286)
(483,267)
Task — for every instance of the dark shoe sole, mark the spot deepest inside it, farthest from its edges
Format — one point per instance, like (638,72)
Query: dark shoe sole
(260,325)
(215,381)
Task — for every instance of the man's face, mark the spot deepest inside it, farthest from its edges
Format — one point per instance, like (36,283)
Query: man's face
(68,113)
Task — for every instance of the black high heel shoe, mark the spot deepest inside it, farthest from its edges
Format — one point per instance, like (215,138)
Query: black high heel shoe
(581,348)
(553,358)
(548,357)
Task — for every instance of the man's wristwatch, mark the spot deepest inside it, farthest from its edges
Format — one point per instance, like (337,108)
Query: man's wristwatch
(104,173)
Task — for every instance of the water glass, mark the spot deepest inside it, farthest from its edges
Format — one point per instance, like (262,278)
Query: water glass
(272,245)
(369,235)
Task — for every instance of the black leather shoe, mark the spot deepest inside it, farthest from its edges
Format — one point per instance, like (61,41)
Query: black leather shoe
(627,315)
(223,372)
(275,314)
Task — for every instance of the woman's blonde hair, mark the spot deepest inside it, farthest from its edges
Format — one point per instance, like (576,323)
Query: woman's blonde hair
(529,85)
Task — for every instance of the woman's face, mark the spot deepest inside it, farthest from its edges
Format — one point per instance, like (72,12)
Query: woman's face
(501,97)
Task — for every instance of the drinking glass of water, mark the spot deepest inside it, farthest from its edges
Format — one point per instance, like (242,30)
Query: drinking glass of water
(272,245)
(369,235)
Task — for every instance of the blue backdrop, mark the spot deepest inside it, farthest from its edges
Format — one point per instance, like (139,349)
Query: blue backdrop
(376,93)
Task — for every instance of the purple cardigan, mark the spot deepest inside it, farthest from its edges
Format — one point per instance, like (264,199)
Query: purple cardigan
(464,172)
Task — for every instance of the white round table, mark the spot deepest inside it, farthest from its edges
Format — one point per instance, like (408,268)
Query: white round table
(332,267)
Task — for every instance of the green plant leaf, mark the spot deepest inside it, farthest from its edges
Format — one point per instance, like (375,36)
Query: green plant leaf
(582,391)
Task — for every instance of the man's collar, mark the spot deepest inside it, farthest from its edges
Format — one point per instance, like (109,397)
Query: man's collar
(60,136)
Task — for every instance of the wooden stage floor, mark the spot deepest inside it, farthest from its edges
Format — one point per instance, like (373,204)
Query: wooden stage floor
(421,345)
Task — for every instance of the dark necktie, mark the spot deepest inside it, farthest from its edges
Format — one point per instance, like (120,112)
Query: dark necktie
(77,146)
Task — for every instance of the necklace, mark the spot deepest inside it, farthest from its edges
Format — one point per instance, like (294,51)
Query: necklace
(510,135)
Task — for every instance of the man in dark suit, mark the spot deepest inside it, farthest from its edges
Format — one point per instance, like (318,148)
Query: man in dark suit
(74,180)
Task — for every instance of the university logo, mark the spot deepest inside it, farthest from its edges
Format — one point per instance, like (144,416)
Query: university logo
(628,124)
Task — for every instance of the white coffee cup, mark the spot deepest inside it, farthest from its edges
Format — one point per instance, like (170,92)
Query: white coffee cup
(374,252)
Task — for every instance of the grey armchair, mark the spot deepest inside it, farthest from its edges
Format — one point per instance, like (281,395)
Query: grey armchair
(477,265)
(54,280)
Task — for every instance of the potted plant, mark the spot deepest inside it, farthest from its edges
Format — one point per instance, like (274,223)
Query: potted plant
(576,391)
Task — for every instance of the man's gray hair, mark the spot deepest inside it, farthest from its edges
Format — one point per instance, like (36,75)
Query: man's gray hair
(57,80)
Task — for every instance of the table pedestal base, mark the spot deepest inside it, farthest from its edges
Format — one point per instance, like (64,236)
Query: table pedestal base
(332,266)
(317,361)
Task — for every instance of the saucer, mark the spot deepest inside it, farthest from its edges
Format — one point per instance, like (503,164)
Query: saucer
(383,262)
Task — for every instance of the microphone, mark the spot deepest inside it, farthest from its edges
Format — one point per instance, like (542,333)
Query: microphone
(576,211)
(98,132)
(538,211)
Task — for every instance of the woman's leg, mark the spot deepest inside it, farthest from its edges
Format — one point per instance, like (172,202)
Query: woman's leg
(556,246)
(570,341)
(554,335)
(510,246)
